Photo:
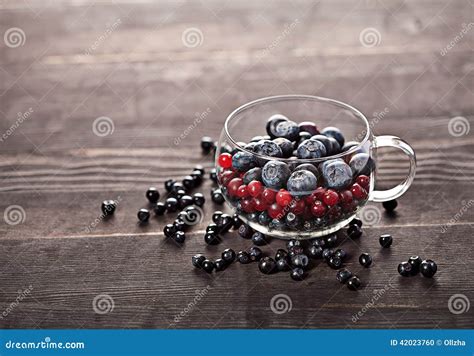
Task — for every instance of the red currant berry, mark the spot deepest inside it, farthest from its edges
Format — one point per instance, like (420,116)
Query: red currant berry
(297,206)
(319,193)
(225,160)
(269,195)
(260,204)
(283,197)
(346,197)
(233,186)
(349,207)
(363,181)
(275,211)
(247,205)
(318,209)
(242,191)
(358,192)
(331,197)
(226,176)
(255,188)
(334,212)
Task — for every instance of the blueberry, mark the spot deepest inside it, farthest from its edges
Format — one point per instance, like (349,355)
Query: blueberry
(361,163)
(179,194)
(275,174)
(302,136)
(334,262)
(293,243)
(255,253)
(208,266)
(286,146)
(179,225)
(295,250)
(252,174)
(245,231)
(228,255)
(220,264)
(356,221)
(108,207)
(188,182)
(354,232)
(292,221)
(211,238)
(330,240)
(337,174)
(272,123)
(349,145)
(307,167)
(143,215)
(327,253)
(267,265)
(169,230)
(212,228)
(216,215)
(225,223)
(276,224)
(308,126)
(179,236)
(353,283)
(300,260)
(236,222)
(335,147)
(334,132)
(171,205)
(385,240)
(390,205)
(415,262)
(310,149)
(213,175)
(253,216)
(169,184)
(280,253)
(343,275)
(197,260)
(250,146)
(257,138)
(185,201)
(243,257)
(342,254)
(207,144)
(268,148)
(198,199)
(428,268)
(217,197)
(297,274)
(404,269)
(302,183)
(315,252)
(282,264)
(331,146)
(287,129)
(259,239)
(176,187)
(152,194)
(319,241)
(243,161)
(365,260)
(264,218)
(159,208)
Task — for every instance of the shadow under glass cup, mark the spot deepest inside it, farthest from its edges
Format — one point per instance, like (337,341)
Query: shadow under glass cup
(280,211)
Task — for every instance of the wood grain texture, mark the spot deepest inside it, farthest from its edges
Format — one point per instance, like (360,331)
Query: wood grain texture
(152,86)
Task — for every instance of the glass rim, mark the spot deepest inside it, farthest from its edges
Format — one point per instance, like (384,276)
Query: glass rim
(298,97)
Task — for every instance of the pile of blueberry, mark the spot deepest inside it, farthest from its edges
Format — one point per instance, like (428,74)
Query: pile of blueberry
(415,265)
(290,192)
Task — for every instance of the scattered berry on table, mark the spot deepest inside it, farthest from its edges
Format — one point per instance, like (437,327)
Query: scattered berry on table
(188,182)
(245,231)
(315,252)
(415,262)
(159,208)
(220,264)
(217,197)
(169,230)
(208,266)
(228,255)
(259,239)
(280,253)
(207,144)
(212,228)
(353,283)
(152,194)
(282,264)
(185,201)
(108,207)
(211,238)
(179,236)
(365,260)
(327,253)
(385,240)
(236,222)
(143,215)
(199,199)
(213,175)
(267,265)
(354,232)
(428,268)
(255,253)
(334,262)
(243,257)
(297,274)
(343,275)
(300,260)
(342,254)
(390,205)
(330,240)
(404,269)
(169,184)
(356,221)
(197,260)
(171,205)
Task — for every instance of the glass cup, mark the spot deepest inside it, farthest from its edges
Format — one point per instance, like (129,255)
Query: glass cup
(265,190)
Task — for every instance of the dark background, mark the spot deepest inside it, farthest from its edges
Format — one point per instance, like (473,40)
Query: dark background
(132,62)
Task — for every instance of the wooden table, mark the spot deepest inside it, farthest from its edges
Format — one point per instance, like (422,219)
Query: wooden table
(139,65)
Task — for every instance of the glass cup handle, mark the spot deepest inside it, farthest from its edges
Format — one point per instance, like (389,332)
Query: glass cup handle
(395,192)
